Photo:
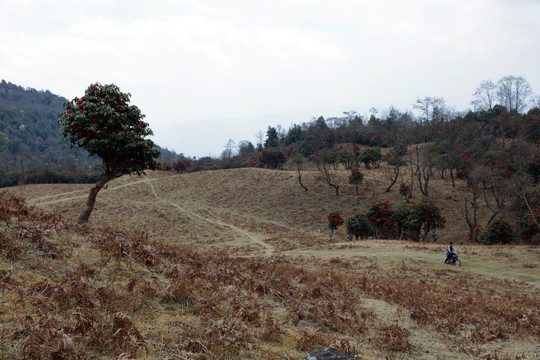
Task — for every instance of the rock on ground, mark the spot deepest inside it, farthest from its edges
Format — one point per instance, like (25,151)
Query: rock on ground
(327,353)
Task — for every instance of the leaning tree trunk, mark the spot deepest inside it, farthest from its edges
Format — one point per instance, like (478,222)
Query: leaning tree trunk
(83,218)
(329,179)
(393,178)
(300,177)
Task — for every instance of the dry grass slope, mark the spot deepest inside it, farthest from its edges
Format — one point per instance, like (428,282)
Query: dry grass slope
(211,208)
(230,264)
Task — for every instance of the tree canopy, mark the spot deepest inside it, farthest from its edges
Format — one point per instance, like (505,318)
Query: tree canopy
(103,123)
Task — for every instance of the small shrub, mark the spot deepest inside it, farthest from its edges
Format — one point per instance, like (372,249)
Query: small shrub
(498,231)
(356,178)
(405,191)
(359,227)
(475,233)
(371,157)
(396,338)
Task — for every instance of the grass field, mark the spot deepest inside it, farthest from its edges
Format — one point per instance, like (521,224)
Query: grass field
(237,264)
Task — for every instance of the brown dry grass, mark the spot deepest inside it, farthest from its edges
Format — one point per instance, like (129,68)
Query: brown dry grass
(266,203)
(237,264)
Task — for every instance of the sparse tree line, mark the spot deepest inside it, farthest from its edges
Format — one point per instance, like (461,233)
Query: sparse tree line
(384,220)
(494,148)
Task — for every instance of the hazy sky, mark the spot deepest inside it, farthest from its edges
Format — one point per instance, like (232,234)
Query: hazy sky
(206,71)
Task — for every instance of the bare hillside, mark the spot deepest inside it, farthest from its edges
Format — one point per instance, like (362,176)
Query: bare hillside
(251,210)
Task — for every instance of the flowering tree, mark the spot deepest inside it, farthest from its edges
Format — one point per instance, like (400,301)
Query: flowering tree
(381,216)
(334,221)
(182,165)
(103,123)
(475,232)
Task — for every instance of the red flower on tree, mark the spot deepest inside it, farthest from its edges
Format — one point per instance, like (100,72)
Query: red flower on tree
(102,108)
(381,215)
(334,221)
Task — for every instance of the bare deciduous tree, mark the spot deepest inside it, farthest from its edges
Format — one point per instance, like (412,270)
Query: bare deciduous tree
(299,161)
(228,152)
(485,95)
(427,106)
(325,160)
(513,92)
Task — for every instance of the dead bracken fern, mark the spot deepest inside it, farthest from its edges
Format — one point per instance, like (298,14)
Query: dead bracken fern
(450,309)
(309,340)
(125,336)
(47,340)
(395,338)
(132,297)
(345,347)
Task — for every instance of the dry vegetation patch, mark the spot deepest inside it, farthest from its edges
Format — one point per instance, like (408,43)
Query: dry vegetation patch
(223,265)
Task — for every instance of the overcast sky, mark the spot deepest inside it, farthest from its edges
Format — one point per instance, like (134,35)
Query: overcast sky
(206,71)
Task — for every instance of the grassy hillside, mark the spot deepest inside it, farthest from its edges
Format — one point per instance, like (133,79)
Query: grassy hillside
(236,264)
(191,208)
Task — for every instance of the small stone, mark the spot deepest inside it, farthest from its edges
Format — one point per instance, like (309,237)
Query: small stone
(327,353)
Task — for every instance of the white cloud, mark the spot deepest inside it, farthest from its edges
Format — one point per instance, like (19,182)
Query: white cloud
(202,61)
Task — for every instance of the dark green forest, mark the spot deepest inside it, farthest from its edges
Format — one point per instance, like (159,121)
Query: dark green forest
(31,148)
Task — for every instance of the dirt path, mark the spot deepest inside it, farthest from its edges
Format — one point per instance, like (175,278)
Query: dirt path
(268,249)
(51,199)
(82,194)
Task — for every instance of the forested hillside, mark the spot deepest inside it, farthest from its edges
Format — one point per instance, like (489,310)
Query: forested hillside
(31,149)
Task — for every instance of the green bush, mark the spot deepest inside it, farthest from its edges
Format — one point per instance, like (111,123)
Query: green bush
(359,227)
(417,220)
(407,220)
(430,217)
(371,157)
(498,231)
